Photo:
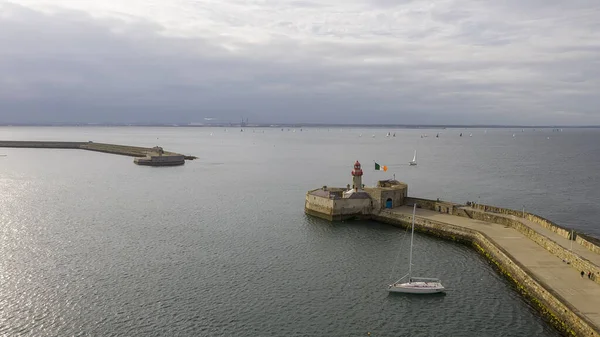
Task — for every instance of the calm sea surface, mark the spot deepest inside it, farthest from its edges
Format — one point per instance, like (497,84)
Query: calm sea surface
(93,245)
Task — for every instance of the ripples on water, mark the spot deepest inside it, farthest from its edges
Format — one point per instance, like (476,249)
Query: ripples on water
(92,244)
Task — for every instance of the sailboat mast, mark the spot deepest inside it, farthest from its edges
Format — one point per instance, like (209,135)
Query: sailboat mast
(412,234)
(571,240)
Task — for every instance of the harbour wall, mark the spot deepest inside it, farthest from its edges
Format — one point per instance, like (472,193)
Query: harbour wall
(554,308)
(576,261)
(584,240)
(564,232)
(333,209)
(132,151)
(434,205)
(41,144)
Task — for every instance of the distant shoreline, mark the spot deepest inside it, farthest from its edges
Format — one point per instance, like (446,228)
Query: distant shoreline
(315,125)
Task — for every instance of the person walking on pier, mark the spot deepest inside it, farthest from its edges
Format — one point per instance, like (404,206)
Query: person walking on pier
(582,273)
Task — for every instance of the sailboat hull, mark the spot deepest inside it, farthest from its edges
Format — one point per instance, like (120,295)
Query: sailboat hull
(417,288)
(412,163)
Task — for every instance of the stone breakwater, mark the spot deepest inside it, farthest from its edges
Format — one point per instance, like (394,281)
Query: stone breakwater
(565,315)
(132,151)
(587,241)
(543,260)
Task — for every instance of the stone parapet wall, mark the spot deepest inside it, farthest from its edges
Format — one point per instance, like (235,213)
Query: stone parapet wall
(564,232)
(550,303)
(433,205)
(588,242)
(578,262)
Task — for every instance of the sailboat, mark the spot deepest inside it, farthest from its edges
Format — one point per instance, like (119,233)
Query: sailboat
(416,285)
(414,161)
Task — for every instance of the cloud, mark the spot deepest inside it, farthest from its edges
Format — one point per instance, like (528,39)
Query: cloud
(379,61)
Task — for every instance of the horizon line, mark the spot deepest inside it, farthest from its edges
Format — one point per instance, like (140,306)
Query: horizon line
(378,125)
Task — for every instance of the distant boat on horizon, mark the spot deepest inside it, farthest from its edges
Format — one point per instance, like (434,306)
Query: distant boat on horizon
(414,161)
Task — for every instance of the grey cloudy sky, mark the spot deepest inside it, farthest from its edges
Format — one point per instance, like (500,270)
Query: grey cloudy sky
(369,61)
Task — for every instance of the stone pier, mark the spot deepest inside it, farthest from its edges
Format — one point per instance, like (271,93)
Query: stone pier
(544,260)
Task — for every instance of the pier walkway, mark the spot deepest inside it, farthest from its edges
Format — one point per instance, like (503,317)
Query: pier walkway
(559,239)
(126,150)
(581,293)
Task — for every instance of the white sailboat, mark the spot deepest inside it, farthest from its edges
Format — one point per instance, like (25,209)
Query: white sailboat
(414,161)
(416,285)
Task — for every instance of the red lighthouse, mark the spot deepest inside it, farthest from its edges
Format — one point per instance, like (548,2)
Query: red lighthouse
(357,176)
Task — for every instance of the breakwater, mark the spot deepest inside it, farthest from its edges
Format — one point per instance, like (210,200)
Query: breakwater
(589,242)
(561,313)
(558,274)
(557,240)
(126,150)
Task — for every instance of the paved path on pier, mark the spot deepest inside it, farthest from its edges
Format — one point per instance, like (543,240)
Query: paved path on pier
(581,293)
(578,249)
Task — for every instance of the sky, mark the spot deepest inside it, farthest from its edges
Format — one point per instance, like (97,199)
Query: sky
(520,62)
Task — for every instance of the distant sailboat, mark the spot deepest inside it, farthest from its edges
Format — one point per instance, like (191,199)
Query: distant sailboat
(470,135)
(394,135)
(414,161)
(437,136)
(513,135)
(360,135)
(460,134)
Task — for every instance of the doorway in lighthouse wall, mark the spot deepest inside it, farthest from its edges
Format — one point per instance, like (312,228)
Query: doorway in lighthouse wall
(388,203)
